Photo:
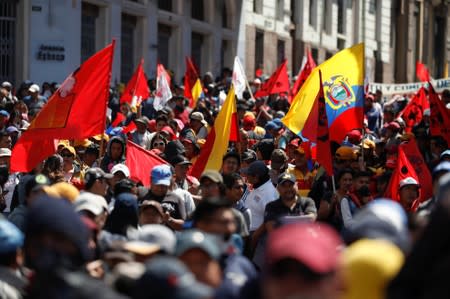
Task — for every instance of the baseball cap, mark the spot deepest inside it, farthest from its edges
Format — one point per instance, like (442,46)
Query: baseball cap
(167,277)
(82,143)
(12,129)
(124,186)
(197,116)
(257,168)
(445,153)
(345,153)
(441,167)
(394,125)
(143,120)
(6,84)
(248,122)
(47,214)
(158,234)
(180,160)
(161,175)
(196,239)
(407,181)
(34,88)
(66,191)
(69,148)
(121,168)
(285,177)
(5,152)
(278,159)
(368,144)
(4,113)
(271,125)
(11,238)
(95,173)
(368,266)
(354,135)
(90,202)
(382,219)
(36,183)
(213,175)
(249,155)
(152,203)
(311,244)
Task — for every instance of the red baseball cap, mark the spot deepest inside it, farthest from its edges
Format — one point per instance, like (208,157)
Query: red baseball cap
(314,245)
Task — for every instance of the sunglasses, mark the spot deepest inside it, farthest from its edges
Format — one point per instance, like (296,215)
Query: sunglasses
(67,155)
(158,143)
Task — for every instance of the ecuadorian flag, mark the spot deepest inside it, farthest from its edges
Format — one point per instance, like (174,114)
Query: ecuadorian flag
(343,87)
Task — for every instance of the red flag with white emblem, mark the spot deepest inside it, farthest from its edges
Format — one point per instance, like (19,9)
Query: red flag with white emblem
(77,110)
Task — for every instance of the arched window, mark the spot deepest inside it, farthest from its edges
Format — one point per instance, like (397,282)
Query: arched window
(198,10)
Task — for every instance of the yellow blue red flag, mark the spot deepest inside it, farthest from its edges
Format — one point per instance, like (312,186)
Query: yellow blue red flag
(343,86)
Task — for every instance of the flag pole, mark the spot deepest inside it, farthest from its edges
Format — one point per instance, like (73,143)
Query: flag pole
(333,183)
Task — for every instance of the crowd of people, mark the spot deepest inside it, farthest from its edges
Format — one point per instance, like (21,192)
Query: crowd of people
(271,223)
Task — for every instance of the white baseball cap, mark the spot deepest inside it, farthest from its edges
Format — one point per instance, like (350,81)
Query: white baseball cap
(122,168)
(34,88)
(408,181)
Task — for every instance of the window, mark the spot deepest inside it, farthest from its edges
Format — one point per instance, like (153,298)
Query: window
(196,48)
(259,50)
(328,55)
(280,10)
(225,21)
(281,46)
(341,43)
(372,6)
(127,47)
(8,11)
(325,17)
(164,34)
(341,17)
(165,5)
(312,13)
(258,6)
(315,54)
(89,15)
(198,10)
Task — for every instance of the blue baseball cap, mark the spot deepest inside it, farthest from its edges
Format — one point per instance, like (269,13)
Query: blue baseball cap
(4,113)
(271,125)
(195,239)
(11,238)
(161,175)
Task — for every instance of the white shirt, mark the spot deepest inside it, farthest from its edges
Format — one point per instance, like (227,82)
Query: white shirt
(256,202)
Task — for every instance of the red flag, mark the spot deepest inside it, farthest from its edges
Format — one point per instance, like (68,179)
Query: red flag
(308,65)
(316,130)
(137,89)
(413,112)
(190,77)
(278,82)
(422,72)
(423,173)
(119,118)
(141,162)
(77,110)
(403,170)
(129,128)
(439,116)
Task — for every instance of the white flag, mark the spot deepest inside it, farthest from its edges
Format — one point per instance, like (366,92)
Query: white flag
(163,92)
(239,80)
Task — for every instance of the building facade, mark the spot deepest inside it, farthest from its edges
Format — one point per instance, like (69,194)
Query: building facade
(396,34)
(44,40)
(265,35)
(51,38)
